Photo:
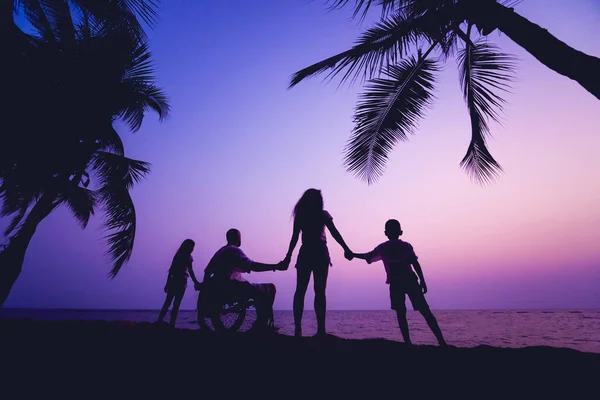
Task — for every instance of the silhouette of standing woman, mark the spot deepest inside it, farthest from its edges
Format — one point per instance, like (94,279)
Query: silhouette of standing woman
(311,219)
(181,268)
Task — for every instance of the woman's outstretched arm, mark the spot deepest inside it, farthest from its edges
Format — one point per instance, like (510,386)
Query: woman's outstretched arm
(192,274)
(338,237)
(293,242)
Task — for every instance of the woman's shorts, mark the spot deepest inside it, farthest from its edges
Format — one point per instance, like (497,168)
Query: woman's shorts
(313,257)
(176,287)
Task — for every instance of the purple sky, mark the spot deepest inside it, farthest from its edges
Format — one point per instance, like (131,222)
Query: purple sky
(239,149)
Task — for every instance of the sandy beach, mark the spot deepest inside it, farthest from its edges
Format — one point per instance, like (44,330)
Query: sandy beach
(89,359)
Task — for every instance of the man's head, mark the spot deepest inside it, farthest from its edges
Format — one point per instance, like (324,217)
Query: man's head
(234,237)
(392,229)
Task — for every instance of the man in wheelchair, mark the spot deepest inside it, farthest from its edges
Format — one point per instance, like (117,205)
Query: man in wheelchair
(224,271)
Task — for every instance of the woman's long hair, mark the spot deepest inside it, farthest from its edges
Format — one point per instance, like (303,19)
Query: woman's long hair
(309,209)
(183,254)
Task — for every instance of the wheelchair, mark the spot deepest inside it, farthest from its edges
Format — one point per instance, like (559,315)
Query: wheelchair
(223,307)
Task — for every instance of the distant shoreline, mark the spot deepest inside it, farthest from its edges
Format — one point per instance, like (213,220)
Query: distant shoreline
(307,309)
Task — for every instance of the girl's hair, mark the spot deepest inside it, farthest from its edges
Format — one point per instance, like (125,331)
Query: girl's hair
(182,257)
(309,207)
(186,248)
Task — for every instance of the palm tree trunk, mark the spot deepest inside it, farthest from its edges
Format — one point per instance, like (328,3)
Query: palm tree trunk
(549,50)
(12,257)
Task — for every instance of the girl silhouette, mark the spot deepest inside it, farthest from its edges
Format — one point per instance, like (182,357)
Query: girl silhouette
(311,219)
(181,268)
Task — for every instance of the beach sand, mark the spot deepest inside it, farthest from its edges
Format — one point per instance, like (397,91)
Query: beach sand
(94,359)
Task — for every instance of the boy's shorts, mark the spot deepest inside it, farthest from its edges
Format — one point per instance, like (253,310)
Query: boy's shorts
(410,287)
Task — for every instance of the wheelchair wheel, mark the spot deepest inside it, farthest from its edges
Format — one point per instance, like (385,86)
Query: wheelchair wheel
(230,319)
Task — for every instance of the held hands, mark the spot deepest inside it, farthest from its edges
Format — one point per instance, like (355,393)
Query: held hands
(424,287)
(349,255)
(283,265)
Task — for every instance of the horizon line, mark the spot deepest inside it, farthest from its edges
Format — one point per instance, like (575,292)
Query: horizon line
(350,310)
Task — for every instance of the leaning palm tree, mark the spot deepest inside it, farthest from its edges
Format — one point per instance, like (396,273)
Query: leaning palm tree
(401,54)
(74,78)
(489,15)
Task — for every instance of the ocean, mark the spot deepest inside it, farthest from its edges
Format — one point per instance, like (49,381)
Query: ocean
(575,329)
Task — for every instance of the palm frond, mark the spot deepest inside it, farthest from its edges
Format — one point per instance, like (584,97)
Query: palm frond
(113,168)
(16,197)
(363,6)
(18,191)
(120,243)
(36,15)
(58,13)
(146,9)
(117,174)
(16,220)
(121,14)
(484,72)
(415,8)
(81,202)
(139,98)
(138,92)
(140,66)
(110,140)
(388,112)
(385,43)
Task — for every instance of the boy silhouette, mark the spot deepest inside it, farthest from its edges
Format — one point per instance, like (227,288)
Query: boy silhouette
(399,259)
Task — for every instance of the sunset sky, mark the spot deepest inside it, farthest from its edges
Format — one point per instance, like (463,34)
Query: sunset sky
(240,148)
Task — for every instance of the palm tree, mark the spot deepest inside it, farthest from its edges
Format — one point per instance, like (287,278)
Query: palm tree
(489,15)
(401,85)
(73,78)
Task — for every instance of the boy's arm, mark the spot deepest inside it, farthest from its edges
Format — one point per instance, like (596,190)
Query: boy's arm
(419,271)
(369,257)
(362,256)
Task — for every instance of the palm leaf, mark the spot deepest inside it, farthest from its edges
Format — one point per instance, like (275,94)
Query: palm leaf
(120,220)
(18,216)
(58,13)
(385,43)
(386,113)
(117,174)
(19,190)
(387,6)
(122,13)
(139,98)
(113,168)
(484,72)
(138,93)
(81,202)
(146,9)
(36,15)
(110,140)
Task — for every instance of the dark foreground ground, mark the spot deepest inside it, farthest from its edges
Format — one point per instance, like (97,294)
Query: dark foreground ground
(127,360)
